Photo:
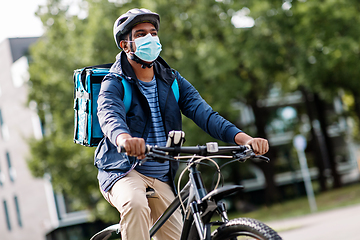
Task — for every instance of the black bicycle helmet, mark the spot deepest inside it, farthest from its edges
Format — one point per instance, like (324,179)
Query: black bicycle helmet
(128,20)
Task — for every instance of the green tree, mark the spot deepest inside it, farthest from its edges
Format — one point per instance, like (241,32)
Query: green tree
(309,44)
(330,55)
(315,44)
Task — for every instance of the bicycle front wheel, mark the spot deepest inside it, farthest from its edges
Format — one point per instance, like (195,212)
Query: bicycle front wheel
(244,228)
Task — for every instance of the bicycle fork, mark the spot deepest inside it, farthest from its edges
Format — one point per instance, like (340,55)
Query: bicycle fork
(196,206)
(204,229)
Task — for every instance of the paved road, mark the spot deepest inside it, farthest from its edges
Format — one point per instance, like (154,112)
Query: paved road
(338,224)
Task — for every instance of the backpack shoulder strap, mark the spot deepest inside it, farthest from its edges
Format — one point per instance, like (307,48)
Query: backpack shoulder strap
(127,97)
(127,94)
(175,89)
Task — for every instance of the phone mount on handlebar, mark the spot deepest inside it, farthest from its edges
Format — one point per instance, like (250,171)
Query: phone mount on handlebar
(175,139)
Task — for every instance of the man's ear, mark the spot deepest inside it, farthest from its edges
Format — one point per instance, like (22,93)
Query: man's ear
(124,45)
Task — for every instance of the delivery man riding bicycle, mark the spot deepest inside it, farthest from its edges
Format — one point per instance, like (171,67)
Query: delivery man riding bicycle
(154,111)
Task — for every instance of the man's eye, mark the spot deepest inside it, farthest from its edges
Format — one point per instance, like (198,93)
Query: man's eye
(154,34)
(139,35)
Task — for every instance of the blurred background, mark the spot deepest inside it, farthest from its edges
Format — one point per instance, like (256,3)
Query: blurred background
(277,69)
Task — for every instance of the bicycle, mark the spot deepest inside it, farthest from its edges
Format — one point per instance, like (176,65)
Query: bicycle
(197,205)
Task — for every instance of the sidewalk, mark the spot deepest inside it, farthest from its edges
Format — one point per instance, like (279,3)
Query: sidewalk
(342,223)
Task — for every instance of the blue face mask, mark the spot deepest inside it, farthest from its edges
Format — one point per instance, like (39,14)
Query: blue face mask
(148,48)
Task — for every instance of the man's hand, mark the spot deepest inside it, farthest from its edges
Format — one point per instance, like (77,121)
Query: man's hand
(134,146)
(260,146)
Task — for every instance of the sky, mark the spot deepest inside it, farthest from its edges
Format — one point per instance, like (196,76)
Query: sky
(17,18)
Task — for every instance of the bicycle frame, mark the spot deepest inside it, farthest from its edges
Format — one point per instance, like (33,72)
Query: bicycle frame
(195,194)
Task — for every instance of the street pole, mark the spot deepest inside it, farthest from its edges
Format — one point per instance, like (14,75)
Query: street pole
(300,145)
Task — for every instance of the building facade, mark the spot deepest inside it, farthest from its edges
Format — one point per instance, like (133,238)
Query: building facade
(29,209)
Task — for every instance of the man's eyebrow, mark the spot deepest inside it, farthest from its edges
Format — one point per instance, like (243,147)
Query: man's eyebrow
(142,30)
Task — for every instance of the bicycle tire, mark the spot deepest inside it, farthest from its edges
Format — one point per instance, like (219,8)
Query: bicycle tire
(251,228)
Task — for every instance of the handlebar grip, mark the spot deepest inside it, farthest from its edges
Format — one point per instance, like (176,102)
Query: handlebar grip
(248,147)
(121,149)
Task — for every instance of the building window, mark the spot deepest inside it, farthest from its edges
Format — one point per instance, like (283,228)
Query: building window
(1,119)
(2,178)
(1,124)
(20,71)
(3,128)
(7,215)
(12,172)
(36,121)
(18,211)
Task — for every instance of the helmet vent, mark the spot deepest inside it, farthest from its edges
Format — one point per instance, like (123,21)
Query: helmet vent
(122,20)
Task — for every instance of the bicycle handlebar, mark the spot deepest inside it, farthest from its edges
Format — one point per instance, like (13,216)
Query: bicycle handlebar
(240,152)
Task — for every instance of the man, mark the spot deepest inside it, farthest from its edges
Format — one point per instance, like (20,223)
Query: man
(154,111)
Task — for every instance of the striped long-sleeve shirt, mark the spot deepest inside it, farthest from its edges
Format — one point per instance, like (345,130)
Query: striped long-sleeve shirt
(156,135)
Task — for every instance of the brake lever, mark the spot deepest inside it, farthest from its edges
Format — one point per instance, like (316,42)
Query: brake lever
(263,158)
(158,156)
(143,161)
(259,157)
(243,156)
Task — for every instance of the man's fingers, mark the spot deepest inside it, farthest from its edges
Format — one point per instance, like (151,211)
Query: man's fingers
(260,146)
(135,147)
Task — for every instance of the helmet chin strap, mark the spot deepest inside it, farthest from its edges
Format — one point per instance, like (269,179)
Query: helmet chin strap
(135,58)
(139,61)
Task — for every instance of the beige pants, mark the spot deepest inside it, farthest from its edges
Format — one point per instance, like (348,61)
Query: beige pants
(138,213)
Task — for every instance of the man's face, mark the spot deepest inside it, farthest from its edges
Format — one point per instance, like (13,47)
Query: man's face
(140,30)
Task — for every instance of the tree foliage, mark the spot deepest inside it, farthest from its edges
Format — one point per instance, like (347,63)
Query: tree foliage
(314,44)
